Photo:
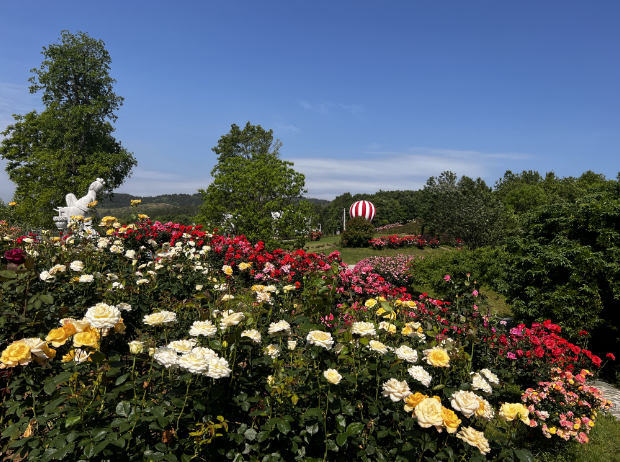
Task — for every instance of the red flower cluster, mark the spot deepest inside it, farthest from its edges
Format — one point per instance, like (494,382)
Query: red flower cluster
(542,341)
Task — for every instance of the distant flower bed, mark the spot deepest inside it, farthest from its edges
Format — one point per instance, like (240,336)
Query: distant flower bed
(395,242)
(157,341)
(390,226)
(394,270)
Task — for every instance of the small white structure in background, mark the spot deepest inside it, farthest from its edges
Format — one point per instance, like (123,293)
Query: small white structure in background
(78,207)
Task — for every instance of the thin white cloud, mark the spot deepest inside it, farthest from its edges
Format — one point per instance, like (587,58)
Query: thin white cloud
(390,171)
(286,128)
(326,107)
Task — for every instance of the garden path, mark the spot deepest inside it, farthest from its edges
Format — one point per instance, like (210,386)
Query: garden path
(611,393)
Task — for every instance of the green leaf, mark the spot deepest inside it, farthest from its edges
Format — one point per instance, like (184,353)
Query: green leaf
(71,421)
(354,428)
(121,379)
(47,298)
(250,434)
(342,438)
(439,387)
(152,455)
(341,423)
(284,426)
(524,455)
(8,274)
(50,387)
(312,429)
(62,377)
(262,436)
(123,408)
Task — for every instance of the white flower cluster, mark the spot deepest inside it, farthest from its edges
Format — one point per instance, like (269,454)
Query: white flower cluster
(197,360)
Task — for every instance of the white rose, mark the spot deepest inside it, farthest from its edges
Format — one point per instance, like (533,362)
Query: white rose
(272,350)
(205,328)
(396,390)
(292,344)
(198,287)
(117,285)
(46,276)
(490,376)
(206,353)
(167,357)
(161,318)
(384,325)
(116,249)
(136,347)
(103,316)
(57,269)
(231,320)
(332,376)
(378,347)
(182,346)
(130,254)
(418,373)
(478,383)
(218,368)
(142,281)
(124,306)
(365,329)
(194,362)
(466,402)
(86,278)
(253,334)
(228,297)
(280,326)
(407,353)
(320,338)
(77,265)
(485,411)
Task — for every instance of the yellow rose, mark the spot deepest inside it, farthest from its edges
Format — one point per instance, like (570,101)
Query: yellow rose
(429,414)
(474,438)
(552,430)
(57,337)
(120,327)
(381,299)
(412,401)
(227,270)
(17,353)
(370,303)
(86,338)
(450,420)
(408,331)
(13,204)
(109,232)
(69,329)
(511,411)
(437,357)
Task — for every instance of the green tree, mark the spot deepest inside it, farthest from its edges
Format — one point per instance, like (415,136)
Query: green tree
(257,194)
(67,146)
(250,141)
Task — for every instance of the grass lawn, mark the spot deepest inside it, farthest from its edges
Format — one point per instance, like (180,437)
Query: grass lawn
(604,445)
(351,255)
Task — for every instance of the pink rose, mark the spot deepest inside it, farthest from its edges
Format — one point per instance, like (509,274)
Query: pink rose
(446,277)
(475,293)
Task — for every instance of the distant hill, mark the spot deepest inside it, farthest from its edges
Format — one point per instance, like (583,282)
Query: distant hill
(122,200)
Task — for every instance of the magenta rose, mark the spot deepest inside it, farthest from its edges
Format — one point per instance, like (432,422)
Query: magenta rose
(15,256)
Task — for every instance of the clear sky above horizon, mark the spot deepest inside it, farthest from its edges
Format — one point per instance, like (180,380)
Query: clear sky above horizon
(364,95)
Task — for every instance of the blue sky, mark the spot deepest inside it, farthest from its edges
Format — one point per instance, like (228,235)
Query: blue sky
(364,95)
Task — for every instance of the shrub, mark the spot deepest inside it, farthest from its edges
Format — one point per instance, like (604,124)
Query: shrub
(359,231)
(394,270)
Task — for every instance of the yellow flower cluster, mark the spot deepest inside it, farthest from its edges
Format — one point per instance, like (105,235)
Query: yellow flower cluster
(13,204)
(107,221)
(92,204)
(136,202)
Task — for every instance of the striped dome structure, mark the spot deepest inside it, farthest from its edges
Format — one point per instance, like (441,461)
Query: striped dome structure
(363,209)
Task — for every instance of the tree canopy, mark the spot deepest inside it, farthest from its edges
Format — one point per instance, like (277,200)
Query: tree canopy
(69,144)
(257,194)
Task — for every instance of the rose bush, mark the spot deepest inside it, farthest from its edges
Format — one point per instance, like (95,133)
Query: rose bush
(207,347)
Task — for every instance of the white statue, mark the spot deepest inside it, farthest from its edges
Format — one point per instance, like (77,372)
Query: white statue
(78,207)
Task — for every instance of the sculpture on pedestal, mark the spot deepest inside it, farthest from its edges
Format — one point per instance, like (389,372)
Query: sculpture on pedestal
(78,207)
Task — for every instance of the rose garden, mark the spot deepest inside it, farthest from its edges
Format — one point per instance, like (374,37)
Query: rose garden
(250,328)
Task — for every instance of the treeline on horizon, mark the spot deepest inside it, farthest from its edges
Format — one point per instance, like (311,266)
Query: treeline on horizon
(515,193)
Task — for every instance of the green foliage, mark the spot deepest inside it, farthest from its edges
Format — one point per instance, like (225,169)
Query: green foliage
(564,266)
(247,143)
(466,209)
(120,200)
(257,194)
(359,231)
(67,146)
(482,264)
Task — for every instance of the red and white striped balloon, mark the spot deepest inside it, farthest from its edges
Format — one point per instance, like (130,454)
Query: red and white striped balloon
(363,209)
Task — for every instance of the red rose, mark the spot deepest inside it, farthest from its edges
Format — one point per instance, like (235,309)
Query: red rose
(539,352)
(596,360)
(549,343)
(611,356)
(15,256)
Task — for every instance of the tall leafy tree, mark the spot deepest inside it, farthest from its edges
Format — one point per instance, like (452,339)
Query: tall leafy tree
(69,144)
(257,194)
(250,141)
